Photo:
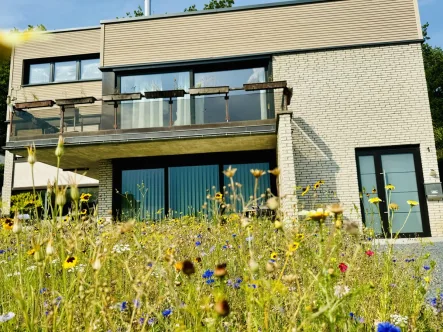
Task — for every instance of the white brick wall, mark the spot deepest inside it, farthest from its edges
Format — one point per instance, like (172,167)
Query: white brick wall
(363,97)
(7,183)
(105,188)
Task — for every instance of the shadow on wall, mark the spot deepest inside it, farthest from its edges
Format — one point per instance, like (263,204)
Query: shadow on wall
(313,162)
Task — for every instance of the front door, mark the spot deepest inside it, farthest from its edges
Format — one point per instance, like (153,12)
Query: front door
(400,167)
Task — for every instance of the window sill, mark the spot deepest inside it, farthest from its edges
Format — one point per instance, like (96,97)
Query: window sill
(64,82)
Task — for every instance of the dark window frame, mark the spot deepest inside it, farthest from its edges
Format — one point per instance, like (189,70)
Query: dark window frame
(377,152)
(218,158)
(77,58)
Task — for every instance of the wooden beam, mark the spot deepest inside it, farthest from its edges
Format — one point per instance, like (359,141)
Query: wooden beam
(34,104)
(74,101)
(122,97)
(164,94)
(209,91)
(265,86)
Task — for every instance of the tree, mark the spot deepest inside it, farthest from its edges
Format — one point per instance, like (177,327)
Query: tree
(4,84)
(137,13)
(213,4)
(433,61)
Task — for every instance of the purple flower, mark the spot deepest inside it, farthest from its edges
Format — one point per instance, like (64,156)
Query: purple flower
(197,243)
(199,236)
(427,267)
(137,303)
(387,327)
(151,321)
(254,286)
(2,251)
(167,312)
(43,290)
(208,274)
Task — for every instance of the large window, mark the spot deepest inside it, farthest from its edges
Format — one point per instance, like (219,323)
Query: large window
(237,105)
(83,68)
(155,112)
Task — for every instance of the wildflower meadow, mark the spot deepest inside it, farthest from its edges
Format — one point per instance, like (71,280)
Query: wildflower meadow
(233,267)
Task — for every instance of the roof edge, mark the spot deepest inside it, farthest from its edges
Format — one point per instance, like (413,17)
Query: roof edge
(73,29)
(216,11)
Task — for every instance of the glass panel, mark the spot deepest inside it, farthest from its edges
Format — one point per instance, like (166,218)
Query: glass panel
(82,119)
(65,71)
(36,122)
(155,112)
(89,69)
(144,193)
(243,105)
(39,73)
(366,164)
(244,177)
(399,171)
(189,186)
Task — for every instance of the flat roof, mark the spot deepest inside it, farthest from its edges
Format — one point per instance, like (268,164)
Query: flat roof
(215,11)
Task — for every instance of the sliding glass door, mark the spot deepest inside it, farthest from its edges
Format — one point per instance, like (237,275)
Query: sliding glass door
(401,168)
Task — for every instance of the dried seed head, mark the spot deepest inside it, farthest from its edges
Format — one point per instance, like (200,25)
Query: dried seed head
(222,308)
(31,154)
(220,270)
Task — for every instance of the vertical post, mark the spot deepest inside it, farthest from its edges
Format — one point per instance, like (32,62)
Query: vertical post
(11,116)
(62,119)
(227,108)
(115,114)
(170,112)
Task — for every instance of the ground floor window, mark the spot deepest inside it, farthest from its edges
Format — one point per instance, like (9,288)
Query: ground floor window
(401,167)
(149,188)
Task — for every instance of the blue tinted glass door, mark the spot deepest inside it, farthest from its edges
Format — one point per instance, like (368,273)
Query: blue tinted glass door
(244,177)
(143,193)
(189,186)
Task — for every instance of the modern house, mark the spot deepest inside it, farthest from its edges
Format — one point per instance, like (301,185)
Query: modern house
(158,106)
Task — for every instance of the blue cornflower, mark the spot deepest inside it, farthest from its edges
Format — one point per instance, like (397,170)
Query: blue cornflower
(208,274)
(427,267)
(2,251)
(141,321)
(387,327)
(351,314)
(43,290)
(123,306)
(167,312)
(249,238)
(225,247)
(197,243)
(234,235)
(150,264)
(210,281)
(254,286)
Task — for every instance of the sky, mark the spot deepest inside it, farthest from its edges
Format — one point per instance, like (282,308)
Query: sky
(63,14)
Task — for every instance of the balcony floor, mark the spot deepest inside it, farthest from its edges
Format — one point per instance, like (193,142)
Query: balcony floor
(84,150)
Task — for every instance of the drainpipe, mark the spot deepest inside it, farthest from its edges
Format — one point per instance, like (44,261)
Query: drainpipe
(147,7)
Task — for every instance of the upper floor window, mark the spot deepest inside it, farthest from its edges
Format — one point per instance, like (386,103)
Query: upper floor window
(68,69)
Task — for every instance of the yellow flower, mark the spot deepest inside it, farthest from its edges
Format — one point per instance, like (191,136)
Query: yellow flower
(230,172)
(389,187)
(85,197)
(257,173)
(412,203)
(178,266)
(294,246)
(275,171)
(274,255)
(374,200)
(319,215)
(318,184)
(70,262)
(170,251)
(31,252)
(218,196)
(427,279)
(393,206)
(305,190)
(83,212)
(299,237)
(374,191)
(8,224)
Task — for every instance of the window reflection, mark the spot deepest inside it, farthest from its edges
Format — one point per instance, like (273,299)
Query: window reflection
(39,73)
(65,71)
(89,69)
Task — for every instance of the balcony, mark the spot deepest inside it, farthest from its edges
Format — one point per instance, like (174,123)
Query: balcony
(200,120)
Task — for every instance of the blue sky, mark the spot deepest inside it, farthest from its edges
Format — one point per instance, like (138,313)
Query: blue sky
(61,14)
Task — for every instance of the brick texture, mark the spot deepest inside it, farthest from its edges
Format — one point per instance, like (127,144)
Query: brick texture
(105,188)
(354,98)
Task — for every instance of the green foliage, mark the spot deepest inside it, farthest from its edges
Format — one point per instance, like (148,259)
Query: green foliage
(137,13)
(213,4)
(433,61)
(25,202)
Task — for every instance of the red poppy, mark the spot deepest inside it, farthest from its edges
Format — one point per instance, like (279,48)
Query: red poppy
(369,253)
(343,267)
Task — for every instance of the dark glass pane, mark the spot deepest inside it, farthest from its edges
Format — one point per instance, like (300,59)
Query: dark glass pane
(65,71)
(39,73)
(89,69)
(143,193)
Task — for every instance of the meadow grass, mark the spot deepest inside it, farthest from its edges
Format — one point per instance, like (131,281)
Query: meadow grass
(230,272)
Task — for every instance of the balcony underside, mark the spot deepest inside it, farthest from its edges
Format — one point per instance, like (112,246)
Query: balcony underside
(84,151)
